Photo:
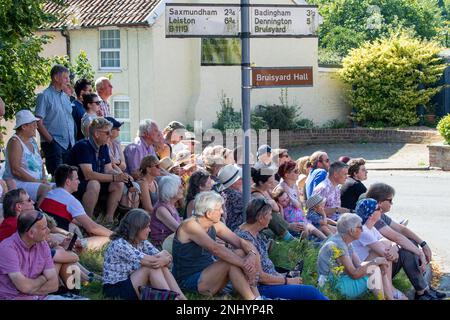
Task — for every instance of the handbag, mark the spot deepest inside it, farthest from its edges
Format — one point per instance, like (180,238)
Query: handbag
(149,293)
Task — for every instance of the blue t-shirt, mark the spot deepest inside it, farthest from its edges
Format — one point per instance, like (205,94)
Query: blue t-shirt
(84,153)
(315,177)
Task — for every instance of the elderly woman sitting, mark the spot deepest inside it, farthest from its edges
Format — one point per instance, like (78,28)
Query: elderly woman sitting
(371,244)
(271,283)
(339,264)
(24,164)
(131,261)
(165,218)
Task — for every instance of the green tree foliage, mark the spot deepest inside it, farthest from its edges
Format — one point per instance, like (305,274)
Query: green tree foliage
(21,67)
(349,23)
(444,128)
(385,77)
(78,70)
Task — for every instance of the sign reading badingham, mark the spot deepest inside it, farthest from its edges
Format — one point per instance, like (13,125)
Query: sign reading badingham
(282,77)
(284,21)
(203,20)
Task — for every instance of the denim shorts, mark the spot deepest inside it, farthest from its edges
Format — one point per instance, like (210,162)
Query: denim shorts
(191,282)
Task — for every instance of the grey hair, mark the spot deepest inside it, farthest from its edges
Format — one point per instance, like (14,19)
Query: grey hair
(168,187)
(206,201)
(58,69)
(348,222)
(145,126)
(335,167)
(99,83)
(99,123)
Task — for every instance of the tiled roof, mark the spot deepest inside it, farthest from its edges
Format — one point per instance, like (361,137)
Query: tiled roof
(97,13)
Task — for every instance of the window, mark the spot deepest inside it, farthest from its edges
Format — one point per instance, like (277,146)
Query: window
(221,52)
(121,112)
(109,49)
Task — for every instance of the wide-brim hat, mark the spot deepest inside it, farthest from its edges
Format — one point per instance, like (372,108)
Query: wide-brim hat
(24,117)
(167,164)
(229,175)
(314,201)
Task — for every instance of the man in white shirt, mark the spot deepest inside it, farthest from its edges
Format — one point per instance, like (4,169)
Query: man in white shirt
(66,209)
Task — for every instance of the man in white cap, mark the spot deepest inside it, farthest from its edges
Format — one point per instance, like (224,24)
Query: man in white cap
(264,156)
(230,178)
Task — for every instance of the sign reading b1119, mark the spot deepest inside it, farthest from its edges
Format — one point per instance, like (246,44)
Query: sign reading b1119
(203,20)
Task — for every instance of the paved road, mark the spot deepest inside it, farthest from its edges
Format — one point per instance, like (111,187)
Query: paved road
(377,155)
(424,198)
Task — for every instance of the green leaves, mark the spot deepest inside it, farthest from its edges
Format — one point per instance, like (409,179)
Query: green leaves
(390,78)
(444,128)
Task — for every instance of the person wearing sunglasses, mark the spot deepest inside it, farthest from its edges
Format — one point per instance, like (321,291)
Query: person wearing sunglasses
(27,271)
(150,170)
(320,164)
(270,283)
(14,203)
(414,253)
(340,266)
(91,104)
(97,177)
(372,244)
(24,164)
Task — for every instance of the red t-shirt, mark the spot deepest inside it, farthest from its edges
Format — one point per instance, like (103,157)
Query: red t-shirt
(8,227)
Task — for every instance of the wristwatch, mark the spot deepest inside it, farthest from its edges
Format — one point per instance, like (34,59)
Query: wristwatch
(423,244)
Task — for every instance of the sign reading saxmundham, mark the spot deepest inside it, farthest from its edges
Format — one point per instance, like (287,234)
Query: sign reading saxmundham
(284,21)
(203,20)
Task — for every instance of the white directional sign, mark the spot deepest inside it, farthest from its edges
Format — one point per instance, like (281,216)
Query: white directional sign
(223,20)
(203,20)
(284,21)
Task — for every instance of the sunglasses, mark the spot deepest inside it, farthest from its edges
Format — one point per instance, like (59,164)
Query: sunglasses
(38,218)
(296,171)
(107,132)
(97,102)
(264,203)
(360,227)
(326,160)
(389,199)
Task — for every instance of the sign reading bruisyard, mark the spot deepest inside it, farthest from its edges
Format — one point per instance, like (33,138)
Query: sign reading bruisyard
(223,20)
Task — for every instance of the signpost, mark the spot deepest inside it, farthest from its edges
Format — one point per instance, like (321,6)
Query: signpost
(186,20)
(282,77)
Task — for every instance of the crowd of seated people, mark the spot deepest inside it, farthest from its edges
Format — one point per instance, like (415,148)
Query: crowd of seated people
(171,218)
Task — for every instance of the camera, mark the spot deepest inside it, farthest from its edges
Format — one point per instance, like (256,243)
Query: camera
(129,183)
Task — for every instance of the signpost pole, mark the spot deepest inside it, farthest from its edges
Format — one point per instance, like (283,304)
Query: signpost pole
(246,86)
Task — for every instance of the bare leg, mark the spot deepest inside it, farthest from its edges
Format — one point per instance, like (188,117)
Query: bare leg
(96,243)
(173,285)
(90,197)
(115,193)
(144,276)
(313,230)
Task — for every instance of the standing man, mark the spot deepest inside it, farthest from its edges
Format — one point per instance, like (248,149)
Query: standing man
(82,86)
(320,163)
(104,89)
(56,125)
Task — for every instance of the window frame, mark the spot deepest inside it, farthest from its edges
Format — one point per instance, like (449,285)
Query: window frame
(125,120)
(101,50)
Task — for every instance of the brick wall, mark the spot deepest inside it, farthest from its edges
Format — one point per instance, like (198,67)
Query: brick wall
(355,135)
(439,156)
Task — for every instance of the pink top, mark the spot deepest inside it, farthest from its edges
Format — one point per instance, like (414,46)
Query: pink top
(17,257)
(158,230)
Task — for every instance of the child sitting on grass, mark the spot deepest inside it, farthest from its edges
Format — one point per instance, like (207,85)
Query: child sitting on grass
(298,224)
(316,215)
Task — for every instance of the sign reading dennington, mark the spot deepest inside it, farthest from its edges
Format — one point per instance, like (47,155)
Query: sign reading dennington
(282,77)
(223,20)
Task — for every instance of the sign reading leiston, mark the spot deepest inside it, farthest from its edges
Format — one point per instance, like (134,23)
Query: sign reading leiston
(203,20)
(282,77)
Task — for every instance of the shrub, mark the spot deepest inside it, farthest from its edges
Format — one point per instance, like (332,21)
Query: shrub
(227,117)
(385,77)
(335,124)
(444,128)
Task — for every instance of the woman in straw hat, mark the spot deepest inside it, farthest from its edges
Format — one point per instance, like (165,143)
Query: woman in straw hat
(24,164)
